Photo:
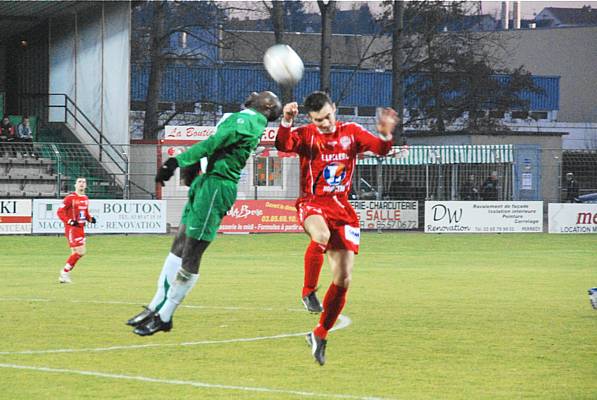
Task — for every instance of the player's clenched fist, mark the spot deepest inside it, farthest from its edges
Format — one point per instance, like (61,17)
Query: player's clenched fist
(290,111)
(387,119)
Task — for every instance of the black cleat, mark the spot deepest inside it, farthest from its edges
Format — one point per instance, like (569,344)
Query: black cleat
(317,347)
(153,325)
(140,318)
(312,303)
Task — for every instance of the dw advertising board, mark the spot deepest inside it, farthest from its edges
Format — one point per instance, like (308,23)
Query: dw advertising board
(483,216)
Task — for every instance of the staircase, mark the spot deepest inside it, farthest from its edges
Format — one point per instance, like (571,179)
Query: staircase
(73,160)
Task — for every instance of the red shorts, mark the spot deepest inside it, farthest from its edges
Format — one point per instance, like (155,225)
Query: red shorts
(342,221)
(75,235)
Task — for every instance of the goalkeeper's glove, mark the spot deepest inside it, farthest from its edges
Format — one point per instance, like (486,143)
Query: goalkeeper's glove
(92,220)
(167,170)
(72,222)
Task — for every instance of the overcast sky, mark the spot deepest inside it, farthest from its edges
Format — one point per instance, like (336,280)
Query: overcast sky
(491,7)
(528,8)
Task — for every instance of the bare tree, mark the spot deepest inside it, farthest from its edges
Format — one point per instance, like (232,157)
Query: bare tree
(397,61)
(447,68)
(277,15)
(156,26)
(157,60)
(327,9)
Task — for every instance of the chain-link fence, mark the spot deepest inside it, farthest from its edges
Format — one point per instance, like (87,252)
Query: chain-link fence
(551,175)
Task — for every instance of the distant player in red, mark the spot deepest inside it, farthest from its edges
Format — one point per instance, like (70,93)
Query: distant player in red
(74,212)
(328,149)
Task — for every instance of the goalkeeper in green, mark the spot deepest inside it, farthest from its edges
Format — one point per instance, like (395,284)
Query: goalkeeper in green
(210,196)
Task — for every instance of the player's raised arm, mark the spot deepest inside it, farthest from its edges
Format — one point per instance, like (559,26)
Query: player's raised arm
(288,140)
(381,144)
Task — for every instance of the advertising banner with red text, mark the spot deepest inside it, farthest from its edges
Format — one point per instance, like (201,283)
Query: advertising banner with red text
(387,214)
(192,134)
(572,218)
(261,216)
(15,217)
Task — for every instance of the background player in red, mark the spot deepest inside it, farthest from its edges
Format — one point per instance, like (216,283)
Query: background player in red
(328,149)
(74,212)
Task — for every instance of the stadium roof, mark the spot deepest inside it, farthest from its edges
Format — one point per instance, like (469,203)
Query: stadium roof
(445,154)
(20,16)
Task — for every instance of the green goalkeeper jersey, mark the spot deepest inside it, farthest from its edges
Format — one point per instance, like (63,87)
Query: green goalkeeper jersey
(228,149)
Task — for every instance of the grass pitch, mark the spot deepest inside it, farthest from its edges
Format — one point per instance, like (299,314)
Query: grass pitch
(433,317)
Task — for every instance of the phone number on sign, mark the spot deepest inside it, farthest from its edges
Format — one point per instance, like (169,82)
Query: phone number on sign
(388,225)
(493,229)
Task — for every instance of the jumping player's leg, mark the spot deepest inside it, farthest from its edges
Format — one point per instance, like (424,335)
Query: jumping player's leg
(186,277)
(171,265)
(207,209)
(317,229)
(169,269)
(342,262)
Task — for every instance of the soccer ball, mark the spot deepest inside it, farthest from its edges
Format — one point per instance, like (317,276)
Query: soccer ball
(283,64)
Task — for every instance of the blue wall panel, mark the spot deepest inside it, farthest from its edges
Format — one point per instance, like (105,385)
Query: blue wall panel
(232,84)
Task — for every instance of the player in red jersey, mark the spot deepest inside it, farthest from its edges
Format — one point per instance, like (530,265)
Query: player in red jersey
(74,212)
(328,150)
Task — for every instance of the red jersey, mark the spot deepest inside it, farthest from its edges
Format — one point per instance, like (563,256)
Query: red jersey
(327,160)
(75,207)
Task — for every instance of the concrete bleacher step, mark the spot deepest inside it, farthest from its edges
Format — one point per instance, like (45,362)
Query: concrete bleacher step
(35,177)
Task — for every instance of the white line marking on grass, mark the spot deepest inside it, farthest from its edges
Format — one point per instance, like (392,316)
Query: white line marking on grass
(187,383)
(343,322)
(20,299)
(231,308)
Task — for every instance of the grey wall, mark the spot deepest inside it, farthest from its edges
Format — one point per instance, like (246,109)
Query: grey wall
(570,53)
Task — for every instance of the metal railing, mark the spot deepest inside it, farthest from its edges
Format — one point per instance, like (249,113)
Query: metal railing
(50,170)
(75,118)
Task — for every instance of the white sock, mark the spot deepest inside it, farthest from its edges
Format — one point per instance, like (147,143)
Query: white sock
(171,265)
(183,283)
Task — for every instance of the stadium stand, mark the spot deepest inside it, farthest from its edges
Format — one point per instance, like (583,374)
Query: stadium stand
(27,177)
(72,160)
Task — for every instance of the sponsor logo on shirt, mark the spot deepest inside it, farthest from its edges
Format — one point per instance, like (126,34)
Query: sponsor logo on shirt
(334,174)
(334,157)
(345,142)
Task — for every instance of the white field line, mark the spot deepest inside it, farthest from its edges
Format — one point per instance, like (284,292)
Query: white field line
(186,383)
(343,322)
(231,308)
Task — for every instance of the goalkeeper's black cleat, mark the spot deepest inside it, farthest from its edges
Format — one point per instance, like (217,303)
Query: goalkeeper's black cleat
(153,325)
(312,303)
(317,347)
(140,318)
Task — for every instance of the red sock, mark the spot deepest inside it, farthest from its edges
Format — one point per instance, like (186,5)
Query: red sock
(72,260)
(313,263)
(333,303)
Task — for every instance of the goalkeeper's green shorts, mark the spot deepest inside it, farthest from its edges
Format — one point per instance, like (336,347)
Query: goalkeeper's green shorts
(210,197)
